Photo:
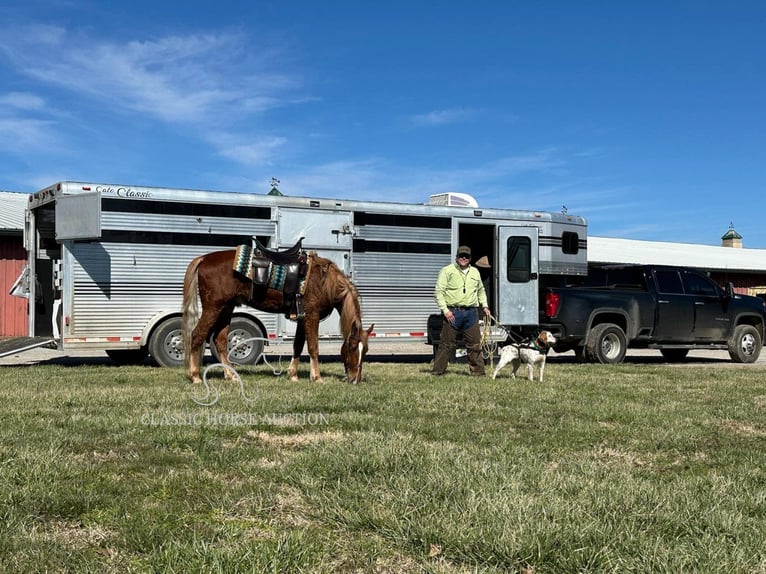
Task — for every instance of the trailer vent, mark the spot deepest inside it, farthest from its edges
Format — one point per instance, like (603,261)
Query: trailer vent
(453,199)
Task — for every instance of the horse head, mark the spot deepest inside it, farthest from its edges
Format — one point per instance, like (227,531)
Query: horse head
(353,351)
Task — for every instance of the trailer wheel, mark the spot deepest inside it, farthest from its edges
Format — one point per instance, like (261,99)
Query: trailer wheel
(128,356)
(745,344)
(606,344)
(246,341)
(166,345)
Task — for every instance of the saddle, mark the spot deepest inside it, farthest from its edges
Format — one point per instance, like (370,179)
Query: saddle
(284,257)
(284,271)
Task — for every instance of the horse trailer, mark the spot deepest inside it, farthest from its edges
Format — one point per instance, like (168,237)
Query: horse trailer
(106,262)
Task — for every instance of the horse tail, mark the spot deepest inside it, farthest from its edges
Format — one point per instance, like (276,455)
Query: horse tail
(190,307)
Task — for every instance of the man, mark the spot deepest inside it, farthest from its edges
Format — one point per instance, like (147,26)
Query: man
(459,292)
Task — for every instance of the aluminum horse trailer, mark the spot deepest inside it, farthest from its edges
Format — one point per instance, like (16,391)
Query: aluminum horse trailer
(106,262)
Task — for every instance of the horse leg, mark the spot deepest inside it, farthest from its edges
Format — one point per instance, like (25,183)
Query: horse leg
(221,340)
(298,342)
(198,339)
(311,331)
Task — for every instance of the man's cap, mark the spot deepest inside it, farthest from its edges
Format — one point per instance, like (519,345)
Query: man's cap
(482,262)
(463,250)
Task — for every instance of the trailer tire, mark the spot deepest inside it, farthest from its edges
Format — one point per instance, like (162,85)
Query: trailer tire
(128,356)
(246,339)
(606,344)
(745,344)
(166,345)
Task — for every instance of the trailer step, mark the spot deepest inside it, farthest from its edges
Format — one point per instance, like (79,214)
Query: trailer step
(13,345)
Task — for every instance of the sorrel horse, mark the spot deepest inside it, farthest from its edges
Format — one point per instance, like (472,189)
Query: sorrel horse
(212,279)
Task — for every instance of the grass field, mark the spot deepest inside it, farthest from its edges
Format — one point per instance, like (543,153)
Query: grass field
(632,468)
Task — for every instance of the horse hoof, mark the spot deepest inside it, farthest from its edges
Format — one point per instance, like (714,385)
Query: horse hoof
(196,381)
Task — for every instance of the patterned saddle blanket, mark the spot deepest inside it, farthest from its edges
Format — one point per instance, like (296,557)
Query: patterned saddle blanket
(284,271)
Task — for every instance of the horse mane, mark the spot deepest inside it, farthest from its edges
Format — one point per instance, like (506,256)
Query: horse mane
(340,293)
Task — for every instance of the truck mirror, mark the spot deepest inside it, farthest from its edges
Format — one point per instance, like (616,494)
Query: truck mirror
(729,292)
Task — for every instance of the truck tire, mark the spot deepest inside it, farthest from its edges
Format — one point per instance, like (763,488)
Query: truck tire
(166,345)
(745,344)
(606,344)
(674,354)
(246,339)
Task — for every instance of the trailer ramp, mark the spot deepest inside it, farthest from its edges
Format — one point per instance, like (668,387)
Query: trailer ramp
(15,345)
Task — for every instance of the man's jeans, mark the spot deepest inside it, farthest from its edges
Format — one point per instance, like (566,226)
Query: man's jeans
(466,321)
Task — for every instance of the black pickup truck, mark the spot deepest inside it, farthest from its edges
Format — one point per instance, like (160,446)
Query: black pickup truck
(672,309)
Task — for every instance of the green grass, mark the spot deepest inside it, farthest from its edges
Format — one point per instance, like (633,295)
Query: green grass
(631,468)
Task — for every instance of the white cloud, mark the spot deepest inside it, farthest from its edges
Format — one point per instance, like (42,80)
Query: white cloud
(196,79)
(20,135)
(21,101)
(248,153)
(442,117)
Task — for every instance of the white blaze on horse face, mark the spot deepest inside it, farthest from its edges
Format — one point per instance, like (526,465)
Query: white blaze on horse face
(360,358)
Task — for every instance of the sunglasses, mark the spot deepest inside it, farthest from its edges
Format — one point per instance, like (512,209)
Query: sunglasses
(463,256)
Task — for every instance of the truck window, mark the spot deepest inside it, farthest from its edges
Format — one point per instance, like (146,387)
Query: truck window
(625,277)
(519,259)
(698,285)
(668,281)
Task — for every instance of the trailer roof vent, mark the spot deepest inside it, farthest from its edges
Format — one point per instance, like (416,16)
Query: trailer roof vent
(453,199)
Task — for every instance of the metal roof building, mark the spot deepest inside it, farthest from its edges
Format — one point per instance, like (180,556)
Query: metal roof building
(12,207)
(605,250)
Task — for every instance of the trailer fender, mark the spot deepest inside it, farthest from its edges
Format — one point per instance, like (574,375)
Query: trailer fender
(154,321)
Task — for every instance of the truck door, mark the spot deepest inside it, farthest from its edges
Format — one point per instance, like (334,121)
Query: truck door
(675,309)
(711,321)
(517,275)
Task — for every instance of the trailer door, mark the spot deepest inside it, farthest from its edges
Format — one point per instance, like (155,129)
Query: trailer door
(329,233)
(517,276)
(78,216)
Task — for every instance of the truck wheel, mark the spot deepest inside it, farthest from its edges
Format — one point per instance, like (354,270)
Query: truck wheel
(166,345)
(745,344)
(128,356)
(246,342)
(606,344)
(674,354)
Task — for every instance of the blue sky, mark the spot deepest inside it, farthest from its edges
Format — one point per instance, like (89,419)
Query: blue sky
(648,118)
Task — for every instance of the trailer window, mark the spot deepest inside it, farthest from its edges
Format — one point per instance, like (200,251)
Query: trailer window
(519,259)
(570,242)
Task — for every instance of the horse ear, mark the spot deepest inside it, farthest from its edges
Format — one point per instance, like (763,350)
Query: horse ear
(369,331)
(354,334)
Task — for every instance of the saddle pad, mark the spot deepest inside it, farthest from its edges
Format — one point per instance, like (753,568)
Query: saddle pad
(243,264)
(243,261)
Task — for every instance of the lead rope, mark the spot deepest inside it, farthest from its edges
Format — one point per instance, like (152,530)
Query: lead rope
(488,346)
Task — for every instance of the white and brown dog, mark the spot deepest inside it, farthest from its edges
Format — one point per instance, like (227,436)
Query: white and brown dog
(532,354)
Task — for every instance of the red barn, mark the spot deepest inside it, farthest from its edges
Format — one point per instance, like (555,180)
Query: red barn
(13,310)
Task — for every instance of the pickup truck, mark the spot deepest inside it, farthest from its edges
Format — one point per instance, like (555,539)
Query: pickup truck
(672,309)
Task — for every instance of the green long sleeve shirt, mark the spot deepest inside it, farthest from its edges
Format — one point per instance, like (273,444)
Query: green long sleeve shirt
(454,287)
